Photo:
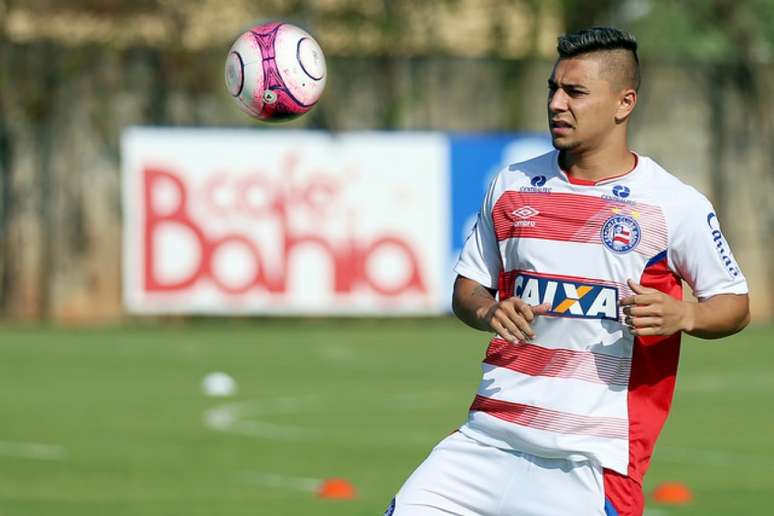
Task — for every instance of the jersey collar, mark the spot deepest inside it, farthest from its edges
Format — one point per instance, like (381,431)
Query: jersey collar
(587,182)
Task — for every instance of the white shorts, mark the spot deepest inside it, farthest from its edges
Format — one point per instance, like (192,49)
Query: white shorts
(466,478)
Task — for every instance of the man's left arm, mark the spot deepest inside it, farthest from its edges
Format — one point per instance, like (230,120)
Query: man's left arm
(652,312)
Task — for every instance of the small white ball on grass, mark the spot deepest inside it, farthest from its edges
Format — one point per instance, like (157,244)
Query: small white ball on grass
(219,385)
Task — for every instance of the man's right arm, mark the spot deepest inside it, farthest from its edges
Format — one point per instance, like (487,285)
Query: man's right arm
(476,306)
(471,302)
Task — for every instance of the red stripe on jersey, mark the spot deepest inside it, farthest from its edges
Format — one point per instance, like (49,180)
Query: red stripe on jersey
(551,420)
(570,217)
(652,381)
(625,493)
(506,284)
(560,216)
(534,360)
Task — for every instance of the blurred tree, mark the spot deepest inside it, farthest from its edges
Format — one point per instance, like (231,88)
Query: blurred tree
(696,30)
(578,14)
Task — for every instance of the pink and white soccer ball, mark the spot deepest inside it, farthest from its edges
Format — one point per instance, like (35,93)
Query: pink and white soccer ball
(275,72)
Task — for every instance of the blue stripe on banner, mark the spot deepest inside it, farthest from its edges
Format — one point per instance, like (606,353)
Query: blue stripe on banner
(660,256)
(609,509)
(474,160)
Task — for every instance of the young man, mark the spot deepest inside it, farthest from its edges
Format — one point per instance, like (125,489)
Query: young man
(585,248)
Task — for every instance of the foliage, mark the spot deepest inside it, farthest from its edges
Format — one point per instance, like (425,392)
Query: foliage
(698,30)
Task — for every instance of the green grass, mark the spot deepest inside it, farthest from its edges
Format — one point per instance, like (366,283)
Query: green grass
(362,400)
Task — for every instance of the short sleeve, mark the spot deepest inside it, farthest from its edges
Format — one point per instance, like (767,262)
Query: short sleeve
(480,257)
(701,255)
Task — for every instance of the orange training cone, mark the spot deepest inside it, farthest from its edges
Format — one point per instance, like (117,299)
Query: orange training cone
(672,493)
(336,489)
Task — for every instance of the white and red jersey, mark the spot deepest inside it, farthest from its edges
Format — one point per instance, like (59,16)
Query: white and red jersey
(585,388)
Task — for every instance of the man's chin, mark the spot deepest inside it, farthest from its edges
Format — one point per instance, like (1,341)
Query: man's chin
(563,145)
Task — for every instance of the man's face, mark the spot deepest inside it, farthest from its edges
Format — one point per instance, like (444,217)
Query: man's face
(581,103)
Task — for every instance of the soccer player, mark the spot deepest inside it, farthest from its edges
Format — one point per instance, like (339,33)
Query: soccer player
(576,264)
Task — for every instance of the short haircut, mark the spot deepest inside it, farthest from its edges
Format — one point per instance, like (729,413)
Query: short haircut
(604,39)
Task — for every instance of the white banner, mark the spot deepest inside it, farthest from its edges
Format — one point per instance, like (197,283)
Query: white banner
(285,222)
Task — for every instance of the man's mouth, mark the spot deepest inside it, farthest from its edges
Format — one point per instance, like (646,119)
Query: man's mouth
(560,128)
(560,124)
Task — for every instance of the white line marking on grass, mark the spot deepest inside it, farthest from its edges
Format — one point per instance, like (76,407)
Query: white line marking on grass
(249,418)
(309,485)
(712,457)
(32,450)
(233,418)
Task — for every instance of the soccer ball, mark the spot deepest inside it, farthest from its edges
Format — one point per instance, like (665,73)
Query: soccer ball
(275,72)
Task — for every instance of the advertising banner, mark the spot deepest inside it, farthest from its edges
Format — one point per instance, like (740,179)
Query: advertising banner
(283,222)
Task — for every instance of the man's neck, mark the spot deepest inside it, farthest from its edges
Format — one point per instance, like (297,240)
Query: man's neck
(596,166)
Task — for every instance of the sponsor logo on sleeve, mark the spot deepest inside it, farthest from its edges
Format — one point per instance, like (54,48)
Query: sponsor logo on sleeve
(537,183)
(721,246)
(569,298)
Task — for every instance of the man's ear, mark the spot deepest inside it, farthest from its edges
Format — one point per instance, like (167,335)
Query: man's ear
(626,104)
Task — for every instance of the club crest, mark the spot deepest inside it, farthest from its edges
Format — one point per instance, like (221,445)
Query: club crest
(621,233)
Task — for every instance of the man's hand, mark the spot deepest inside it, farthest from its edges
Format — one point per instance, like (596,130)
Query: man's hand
(511,318)
(651,312)
(477,307)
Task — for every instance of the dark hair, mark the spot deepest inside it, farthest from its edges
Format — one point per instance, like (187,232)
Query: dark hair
(600,39)
(596,39)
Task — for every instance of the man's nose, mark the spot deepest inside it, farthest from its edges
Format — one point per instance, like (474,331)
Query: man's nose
(557,102)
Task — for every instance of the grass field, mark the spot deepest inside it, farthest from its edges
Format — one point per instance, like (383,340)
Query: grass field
(114,422)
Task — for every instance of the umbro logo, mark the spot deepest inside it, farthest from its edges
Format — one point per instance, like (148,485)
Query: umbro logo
(524,213)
